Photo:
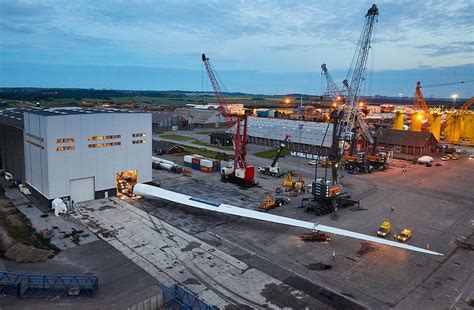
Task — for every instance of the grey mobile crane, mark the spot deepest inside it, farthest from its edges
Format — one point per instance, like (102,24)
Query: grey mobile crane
(273,169)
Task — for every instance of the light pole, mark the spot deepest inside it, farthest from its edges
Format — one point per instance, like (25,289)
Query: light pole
(400,96)
(454,97)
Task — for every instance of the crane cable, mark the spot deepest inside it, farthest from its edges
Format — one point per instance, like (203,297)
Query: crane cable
(447,84)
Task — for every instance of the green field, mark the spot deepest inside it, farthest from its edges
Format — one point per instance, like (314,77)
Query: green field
(176,137)
(270,154)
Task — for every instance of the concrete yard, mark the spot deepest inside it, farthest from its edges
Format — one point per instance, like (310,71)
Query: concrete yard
(436,203)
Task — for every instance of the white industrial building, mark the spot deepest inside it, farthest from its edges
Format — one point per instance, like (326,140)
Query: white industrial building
(306,137)
(82,154)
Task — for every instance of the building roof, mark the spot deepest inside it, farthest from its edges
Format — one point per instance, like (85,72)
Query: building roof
(311,133)
(165,145)
(198,116)
(14,116)
(403,137)
(160,115)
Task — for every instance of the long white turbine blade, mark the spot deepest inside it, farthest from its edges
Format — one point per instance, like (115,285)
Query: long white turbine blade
(156,192)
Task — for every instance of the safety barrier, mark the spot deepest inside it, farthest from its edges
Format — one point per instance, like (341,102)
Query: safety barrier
(47,286)
(175,297)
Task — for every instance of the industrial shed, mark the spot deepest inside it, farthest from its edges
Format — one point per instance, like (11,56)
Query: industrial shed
(221,138)
(406,141)
(199,118)
(12,155)
(165,147)
(166,121)
(306,137)
(74,153)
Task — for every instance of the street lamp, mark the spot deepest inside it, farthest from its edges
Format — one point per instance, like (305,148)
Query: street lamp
(400,96)
(454,97)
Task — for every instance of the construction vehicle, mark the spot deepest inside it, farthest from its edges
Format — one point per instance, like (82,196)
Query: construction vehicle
(272,202)
(384,229)
(364,163)
(404,235)
(315,236)
(346,121)
(273,170)
(288,182)
(240,173)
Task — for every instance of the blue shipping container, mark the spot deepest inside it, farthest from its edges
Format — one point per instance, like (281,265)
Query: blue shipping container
(195,166)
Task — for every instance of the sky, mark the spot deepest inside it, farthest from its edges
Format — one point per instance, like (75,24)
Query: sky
(261,47)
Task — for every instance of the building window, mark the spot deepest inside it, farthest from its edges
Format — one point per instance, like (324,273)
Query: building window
(141,134)
(96,145)
(65,140)
(65,148)
(111,137)
(139,141)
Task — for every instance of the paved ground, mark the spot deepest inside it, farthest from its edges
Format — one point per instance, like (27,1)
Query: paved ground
(436,203)
(171,256)
(121,282)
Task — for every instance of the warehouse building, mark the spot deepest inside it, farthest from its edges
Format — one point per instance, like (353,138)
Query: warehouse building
(305,137)
(166,121)
(83,154)
(12,155)
(406,141)
(199,118)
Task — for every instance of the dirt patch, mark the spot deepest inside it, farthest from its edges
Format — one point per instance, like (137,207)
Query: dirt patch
(192,245)
(282,296)
(19,242)
(318,266)
(365,248)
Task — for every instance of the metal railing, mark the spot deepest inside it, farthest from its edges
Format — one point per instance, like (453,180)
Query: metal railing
(47,286)
(175,297)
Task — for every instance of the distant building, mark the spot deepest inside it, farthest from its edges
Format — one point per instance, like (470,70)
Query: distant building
(166,121)
(305,137)
(221,138)
(197,118)
(406,141)
(165,147)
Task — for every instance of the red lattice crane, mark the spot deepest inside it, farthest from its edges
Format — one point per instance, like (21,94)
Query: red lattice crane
(240,173)
(419,102)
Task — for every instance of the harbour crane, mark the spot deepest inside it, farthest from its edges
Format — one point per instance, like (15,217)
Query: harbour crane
(241,173)
(419,103)
(344,120)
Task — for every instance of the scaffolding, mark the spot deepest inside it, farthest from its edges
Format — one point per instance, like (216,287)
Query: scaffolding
(47,286)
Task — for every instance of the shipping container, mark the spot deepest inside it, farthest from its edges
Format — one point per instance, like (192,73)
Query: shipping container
(206,169)
(186,164)
(195,166)
(196,160)
(188,159)
(206,163)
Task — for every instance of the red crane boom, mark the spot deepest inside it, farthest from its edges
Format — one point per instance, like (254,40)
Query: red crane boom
(241,173)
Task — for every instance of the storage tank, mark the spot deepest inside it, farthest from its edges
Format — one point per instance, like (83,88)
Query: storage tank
(456,129)
(468,130)
(416,118)
(435,126)
(399,120)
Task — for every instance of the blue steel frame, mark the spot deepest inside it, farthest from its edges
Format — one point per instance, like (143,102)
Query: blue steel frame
(175,297)
(47,286)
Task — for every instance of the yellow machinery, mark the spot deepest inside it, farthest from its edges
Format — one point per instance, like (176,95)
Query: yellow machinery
(468,130)
(299,184)
(399,120)
(416,118)
(268,204)
(288,181)
(435,124)
(384,229)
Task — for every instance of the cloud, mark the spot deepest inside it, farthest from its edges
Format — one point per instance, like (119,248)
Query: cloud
(456,47)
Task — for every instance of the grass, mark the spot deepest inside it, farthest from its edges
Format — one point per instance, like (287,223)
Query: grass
(227,148)
(176,137)
(199,151)
(270,154)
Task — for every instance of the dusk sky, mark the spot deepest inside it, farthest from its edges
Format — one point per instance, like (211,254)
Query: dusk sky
(263,47)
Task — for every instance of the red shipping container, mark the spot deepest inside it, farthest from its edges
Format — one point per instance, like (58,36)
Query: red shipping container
(196,160)
(206,169)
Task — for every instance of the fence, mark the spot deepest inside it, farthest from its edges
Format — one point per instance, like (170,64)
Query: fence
(175,297)
(47,286)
